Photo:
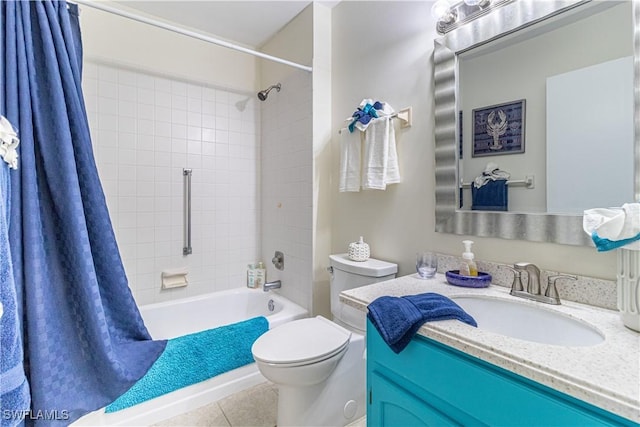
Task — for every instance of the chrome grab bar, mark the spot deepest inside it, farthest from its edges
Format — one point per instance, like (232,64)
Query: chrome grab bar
(186,173)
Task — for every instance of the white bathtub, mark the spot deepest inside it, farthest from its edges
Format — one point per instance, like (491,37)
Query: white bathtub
(175,318)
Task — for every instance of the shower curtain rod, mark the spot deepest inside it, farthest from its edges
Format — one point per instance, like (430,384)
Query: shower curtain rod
(189,33)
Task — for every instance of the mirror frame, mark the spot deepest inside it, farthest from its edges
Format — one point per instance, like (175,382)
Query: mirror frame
(538,227)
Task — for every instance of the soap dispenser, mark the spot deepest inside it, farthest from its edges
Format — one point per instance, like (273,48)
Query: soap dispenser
(468,266)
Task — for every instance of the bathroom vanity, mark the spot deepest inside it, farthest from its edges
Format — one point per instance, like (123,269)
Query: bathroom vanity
(452,373)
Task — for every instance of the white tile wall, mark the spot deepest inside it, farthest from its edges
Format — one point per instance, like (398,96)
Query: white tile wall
(287,185)
(145,130)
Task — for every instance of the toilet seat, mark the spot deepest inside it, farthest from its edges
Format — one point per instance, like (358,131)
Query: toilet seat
(301,342)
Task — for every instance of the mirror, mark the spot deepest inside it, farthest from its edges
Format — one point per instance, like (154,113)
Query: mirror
(460,102)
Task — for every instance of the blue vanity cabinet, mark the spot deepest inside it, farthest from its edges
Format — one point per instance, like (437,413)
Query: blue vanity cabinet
(430,384)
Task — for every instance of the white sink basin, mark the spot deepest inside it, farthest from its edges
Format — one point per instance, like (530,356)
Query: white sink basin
(528,322)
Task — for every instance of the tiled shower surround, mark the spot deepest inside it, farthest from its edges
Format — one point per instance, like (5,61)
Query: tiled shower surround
(145,130)
(287,185)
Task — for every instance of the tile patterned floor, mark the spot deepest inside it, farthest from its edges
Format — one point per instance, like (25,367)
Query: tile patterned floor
(362,422)
(255,407)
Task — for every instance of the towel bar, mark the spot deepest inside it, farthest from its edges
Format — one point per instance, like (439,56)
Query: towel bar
(529,182)
(404,115)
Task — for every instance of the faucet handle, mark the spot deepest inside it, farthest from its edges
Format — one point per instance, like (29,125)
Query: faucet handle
(552,290)
(278,260)
(516,285)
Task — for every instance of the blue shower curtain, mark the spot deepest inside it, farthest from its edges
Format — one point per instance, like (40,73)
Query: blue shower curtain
(84,340)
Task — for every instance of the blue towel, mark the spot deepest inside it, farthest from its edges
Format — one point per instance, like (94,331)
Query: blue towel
(14,388)
(397,319)
(196,357)
(492,196)
(365,114)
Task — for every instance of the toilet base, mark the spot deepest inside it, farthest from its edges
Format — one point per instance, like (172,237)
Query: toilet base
(335,402)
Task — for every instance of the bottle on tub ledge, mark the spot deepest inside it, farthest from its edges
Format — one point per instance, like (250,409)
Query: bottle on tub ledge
(251,276)
(261,275)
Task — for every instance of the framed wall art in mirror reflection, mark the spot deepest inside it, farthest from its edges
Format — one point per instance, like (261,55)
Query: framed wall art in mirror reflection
(499,129)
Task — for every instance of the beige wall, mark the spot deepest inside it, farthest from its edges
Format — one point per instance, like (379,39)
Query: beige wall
(294,42)
(306,40)
(286,159)
(120,41)
(374,56)
(322,132)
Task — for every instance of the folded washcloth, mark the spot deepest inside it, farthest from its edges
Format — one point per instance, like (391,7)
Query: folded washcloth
(363,115)
(368,110)
(397,319)
(614,228)
(491,173)
(350,155)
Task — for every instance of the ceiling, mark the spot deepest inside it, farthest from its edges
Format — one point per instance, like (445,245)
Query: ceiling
(249,23)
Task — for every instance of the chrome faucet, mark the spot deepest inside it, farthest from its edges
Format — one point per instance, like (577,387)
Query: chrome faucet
(276,284)
(534,290)
(533,273)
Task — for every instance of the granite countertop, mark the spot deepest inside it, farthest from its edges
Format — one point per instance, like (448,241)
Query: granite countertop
(606,375)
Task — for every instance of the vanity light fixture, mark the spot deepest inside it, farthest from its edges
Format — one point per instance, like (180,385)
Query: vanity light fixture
(442,12)
(451,17)
(477,2)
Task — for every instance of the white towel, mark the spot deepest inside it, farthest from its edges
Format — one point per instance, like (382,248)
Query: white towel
(615,224)
(380,162)
(393,170)
(491,173)
(350,154)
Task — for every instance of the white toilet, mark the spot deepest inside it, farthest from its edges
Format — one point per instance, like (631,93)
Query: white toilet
(317,364)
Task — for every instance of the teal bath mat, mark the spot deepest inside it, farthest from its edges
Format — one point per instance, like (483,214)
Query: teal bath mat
(196,357)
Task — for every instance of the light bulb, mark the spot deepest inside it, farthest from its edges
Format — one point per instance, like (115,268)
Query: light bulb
(440,9)
(479,3)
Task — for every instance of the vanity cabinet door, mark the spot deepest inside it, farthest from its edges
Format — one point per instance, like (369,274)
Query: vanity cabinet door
(394,405)
(432,384)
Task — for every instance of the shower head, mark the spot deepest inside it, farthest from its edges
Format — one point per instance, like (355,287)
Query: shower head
(262,95)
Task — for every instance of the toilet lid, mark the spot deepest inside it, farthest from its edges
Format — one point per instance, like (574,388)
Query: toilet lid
(301,341)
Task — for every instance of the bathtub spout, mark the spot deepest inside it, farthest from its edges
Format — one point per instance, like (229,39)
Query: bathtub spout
(276,284)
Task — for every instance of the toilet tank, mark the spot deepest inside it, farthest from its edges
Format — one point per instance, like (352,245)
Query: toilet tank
(347,274)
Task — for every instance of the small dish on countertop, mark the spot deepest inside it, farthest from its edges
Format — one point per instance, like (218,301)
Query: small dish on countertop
(482,280)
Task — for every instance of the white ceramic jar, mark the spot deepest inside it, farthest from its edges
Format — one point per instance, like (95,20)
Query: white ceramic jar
(359,251)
